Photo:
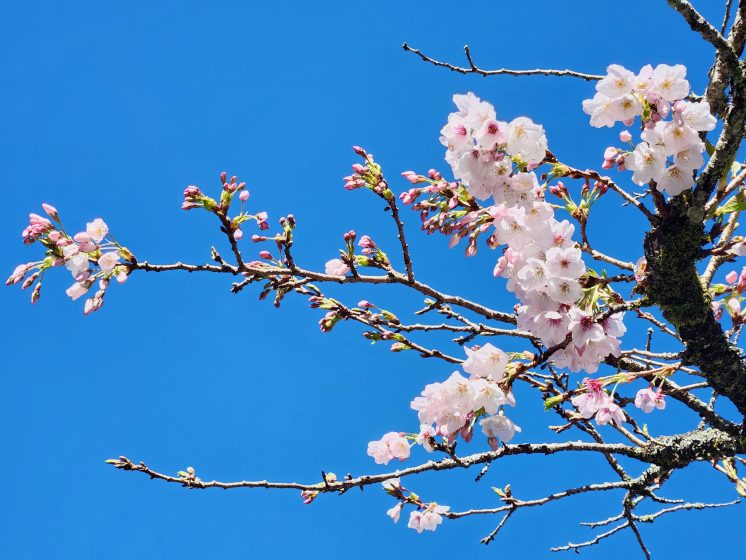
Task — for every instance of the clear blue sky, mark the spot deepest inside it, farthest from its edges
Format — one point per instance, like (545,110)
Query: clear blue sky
(111,108)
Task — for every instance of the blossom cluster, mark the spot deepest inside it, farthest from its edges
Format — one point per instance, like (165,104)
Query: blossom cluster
(481,150)
(595,401)
(452,408)
(542,263)
(455,405)
(653,94)
(92,257)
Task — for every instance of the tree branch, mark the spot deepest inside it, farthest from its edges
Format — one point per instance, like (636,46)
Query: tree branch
(473,69)
(699,24)
(123,463)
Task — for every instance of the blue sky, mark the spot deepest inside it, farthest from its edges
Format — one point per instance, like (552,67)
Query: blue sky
(111,108)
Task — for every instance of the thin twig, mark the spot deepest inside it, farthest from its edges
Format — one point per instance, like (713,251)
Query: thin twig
(474,69)
(489,538)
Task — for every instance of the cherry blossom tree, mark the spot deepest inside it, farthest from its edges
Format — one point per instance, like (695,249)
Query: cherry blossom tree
(505,190)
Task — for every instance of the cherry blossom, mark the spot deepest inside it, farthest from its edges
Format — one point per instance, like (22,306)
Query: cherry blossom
(648,399)
(655,94)
(97,230)
(427,520)
(395,512)
(486,361)
(391,446)
(336,267)
(609,411)
(499,427)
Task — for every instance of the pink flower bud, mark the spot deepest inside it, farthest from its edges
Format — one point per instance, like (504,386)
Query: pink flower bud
(192,192)
(50,210)
(238,234)
(82,237)
(625,136)
(679,106)
(265,255)
(741,286)
(352,185)
(365,304)
(411,176)
(734,306)
(244,196)
(29,281)
(731,277)
(607,164)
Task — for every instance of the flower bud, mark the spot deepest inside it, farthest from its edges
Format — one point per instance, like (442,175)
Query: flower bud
(741,286)
(51,211)
(36,293)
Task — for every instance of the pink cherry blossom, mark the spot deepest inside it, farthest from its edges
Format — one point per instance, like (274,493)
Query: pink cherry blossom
(97,230)
(648,399)
(609,411)
(395,512)
(108,261)
(336,267)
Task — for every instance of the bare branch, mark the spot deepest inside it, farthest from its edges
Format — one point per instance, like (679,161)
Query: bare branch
(699,24)
(489,538)
(726,17)
(577,546)
(680,507)
(126,464)
(400,235)
(393,277)
(514,504)
(473,69)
